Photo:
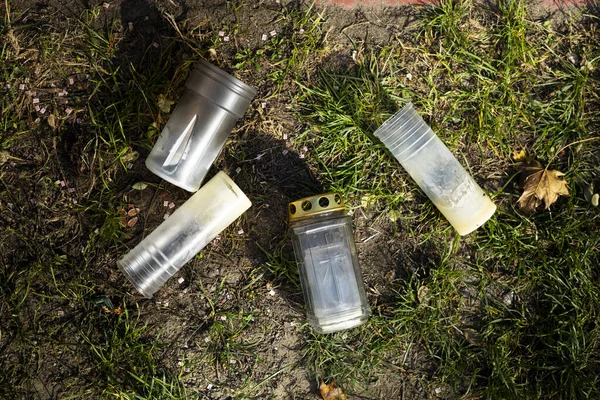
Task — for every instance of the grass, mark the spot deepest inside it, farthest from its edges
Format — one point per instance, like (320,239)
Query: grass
(508,312)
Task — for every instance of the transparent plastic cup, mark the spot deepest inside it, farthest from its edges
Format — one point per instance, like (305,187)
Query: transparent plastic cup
(327,262)
(197,130)
(177,240)
(437,172)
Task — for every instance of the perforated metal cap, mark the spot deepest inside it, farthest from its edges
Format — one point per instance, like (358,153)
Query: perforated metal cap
(315,205)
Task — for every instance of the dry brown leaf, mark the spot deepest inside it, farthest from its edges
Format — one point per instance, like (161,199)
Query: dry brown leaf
(541,186)
(331,392)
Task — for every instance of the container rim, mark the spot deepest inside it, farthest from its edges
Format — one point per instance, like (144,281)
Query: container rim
(391,120)
(125,268)
(225,79)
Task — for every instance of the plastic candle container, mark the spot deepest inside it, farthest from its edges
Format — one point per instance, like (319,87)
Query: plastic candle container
(199,126)
(178,239)
(327,261)
(437,172)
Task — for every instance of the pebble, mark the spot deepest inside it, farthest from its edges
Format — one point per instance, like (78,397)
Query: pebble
(595,199)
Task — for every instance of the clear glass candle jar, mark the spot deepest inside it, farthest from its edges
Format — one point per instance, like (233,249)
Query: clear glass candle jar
(327,261)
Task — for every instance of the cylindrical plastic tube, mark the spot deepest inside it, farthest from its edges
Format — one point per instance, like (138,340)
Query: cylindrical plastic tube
(437,172)
(327,261)
(177,240)
(199,126)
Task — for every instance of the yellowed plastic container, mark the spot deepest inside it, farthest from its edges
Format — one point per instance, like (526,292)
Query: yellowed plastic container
(435,169)
(177,240)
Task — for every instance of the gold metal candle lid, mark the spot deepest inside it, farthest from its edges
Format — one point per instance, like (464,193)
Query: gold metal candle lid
(315,205)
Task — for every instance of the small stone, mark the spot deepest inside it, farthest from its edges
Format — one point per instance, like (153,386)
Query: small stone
(209,386)
(595,199)
(573,58)
(272,292)
(508,298)
(223,318)
(409,76)
(301,31)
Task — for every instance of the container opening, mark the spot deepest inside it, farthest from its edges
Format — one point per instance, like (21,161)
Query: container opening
(323,202)
(292,209)
(337,199)
(306,205)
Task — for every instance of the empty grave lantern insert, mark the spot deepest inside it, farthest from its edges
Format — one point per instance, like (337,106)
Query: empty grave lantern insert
(330,275)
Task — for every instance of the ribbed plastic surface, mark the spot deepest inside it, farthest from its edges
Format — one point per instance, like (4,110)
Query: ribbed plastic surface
(199,126)
(178,239)
(329,272)
(435,169)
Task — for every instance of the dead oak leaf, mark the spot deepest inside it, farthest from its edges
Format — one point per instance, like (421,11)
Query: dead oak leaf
(541,186)
(331,392)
